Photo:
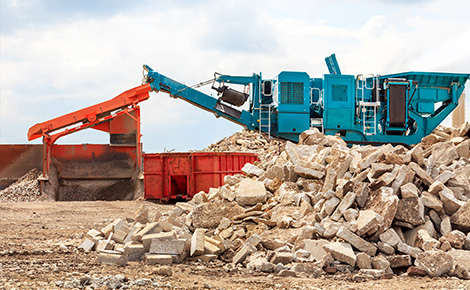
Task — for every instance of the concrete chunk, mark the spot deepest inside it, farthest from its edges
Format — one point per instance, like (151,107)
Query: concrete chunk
(345,203)
(250,192)
(167,247)
(108,229)
(356,241)
(147,239)
(431,201)
(405,175)
(410,210)
(367,221)
(399,261)
(252,170)
(283,258)
(455,238)
(153,259)
(330,205)
(409,190)
(445,176)
(425,241)
(197,242)
(421,173)
(241,255)
(150,228)
(362,192)
(134,252)
(112,259)
(308,172)
(342,252)
(87,245)
(390,237)
(315,247)
(385,204)
(94,233)
(120,235)
(435,263)
(142,214)
(363,261)
(451,204)
(436,187)
(409,250)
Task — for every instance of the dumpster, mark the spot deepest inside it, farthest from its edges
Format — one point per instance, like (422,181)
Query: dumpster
(182,175)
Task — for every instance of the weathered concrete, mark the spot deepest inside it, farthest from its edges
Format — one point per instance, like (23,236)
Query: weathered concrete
(342,252)
(356,241)
(435,263)
(250,192)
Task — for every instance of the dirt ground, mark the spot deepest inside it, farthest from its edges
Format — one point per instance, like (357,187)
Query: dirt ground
(38,242)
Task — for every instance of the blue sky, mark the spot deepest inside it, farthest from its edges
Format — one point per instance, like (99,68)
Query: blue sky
(58,56)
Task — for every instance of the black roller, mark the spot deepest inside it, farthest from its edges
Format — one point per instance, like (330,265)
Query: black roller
(231,96)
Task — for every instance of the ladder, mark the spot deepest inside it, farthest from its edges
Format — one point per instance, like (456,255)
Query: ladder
(265,119)
(368,109)
(317,123)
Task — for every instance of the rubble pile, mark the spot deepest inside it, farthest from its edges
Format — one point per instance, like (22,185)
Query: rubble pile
(25,189)
(249,141)
(319,208)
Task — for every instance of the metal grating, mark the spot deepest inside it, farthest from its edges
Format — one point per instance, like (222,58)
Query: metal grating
(292,93)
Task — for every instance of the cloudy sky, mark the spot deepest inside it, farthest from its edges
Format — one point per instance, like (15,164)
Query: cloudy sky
(57,56)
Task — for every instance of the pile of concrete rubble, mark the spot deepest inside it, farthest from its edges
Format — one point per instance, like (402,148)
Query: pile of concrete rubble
(25,189)
(319,208)
(249,141)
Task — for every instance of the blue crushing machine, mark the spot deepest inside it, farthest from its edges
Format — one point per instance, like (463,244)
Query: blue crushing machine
(397,108)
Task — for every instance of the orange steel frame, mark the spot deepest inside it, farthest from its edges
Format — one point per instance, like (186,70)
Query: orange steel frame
(97,117)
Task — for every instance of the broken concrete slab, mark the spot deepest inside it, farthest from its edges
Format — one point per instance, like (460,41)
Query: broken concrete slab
(427,180)
(399,261)
(87,245)
(367,221)
(435,263)
(345,203)
(456,239)
(209,214)
(408,250)
(363,261)
(244,252)
(342,252)
(252,170)
(159,259)
(385,204)
(431,201)
(112,259)
(315,247)
(450,202)
(250,192)
(425,241)
(410,210)
(197,242)
(148,239)
(356,241)
(134,252)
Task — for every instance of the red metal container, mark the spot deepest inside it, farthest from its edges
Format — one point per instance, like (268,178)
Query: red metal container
(182,175)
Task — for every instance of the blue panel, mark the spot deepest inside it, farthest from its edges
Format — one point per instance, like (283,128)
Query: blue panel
(293,94)
(339,91)
(339,102)
(293,123)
